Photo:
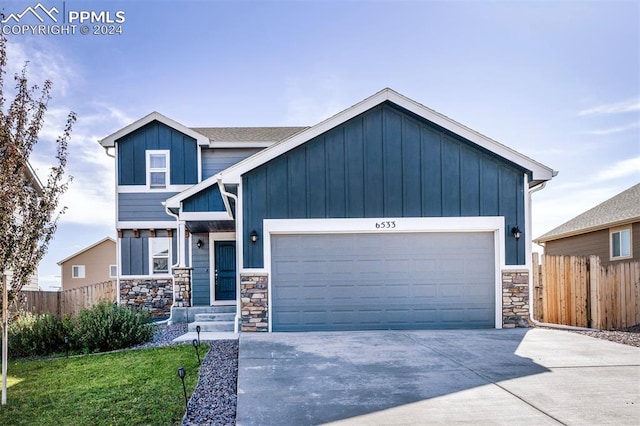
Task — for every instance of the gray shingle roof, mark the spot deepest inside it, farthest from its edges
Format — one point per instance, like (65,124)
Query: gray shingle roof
(248,134)
(624,207)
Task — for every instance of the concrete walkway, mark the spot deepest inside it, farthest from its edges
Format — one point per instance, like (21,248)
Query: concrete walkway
(509,377)
(206,336)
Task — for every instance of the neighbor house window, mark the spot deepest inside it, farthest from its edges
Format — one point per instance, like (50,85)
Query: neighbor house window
(113,271)
(160,249)
(157,169)
(620,243)
(77,271)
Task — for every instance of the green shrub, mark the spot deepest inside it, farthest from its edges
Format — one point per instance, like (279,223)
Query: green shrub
(107,327)
(36,335)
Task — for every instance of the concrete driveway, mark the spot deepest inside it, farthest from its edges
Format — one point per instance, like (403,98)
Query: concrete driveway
(506,377)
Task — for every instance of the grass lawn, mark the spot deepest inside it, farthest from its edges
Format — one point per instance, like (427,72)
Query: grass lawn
(135,387)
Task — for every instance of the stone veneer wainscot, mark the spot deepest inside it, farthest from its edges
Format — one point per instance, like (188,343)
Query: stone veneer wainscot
(154,295)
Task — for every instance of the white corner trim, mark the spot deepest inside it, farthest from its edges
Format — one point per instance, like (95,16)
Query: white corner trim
(494,224)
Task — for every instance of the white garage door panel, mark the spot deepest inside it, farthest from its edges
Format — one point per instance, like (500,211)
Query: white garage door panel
(382,281)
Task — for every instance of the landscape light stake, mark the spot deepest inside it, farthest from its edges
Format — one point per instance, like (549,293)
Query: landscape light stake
(198,331)
(66,345)
(181,374)
(195,346)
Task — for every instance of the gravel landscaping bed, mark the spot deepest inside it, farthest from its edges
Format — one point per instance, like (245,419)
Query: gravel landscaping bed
(628,336)
(164,335)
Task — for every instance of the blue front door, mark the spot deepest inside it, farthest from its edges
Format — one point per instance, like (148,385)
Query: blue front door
(225,270)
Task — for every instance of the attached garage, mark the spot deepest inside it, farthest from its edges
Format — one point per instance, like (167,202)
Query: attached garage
(383,281)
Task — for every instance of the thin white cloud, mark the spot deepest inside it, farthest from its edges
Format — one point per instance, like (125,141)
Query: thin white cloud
(613,130)
(621,169)
(614,108)
(312,99)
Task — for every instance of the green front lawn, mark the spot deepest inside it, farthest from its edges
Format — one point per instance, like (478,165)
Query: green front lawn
(134,387)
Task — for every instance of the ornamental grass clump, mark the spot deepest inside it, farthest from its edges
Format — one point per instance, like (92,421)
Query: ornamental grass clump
(108,327)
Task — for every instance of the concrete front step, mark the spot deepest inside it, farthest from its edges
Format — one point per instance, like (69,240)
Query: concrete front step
(230,316)
(211,326)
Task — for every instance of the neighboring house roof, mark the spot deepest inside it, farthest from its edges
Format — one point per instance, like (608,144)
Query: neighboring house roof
(539,172)
(248,134)
(86,249)
(620,209)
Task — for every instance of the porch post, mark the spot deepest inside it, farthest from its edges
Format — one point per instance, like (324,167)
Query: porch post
(181,244)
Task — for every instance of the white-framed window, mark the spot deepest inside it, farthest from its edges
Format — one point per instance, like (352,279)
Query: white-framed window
(157,169)
(77,271)
(113,271)
(620,243)
(160,255)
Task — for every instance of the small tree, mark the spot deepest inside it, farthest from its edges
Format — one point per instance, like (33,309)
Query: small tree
(28,210)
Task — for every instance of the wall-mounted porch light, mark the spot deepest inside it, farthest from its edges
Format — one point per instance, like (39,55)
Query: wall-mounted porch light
(199,244)
(516,232)
(254,236)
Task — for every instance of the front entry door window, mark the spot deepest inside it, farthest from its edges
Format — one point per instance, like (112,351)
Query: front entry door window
(225,272)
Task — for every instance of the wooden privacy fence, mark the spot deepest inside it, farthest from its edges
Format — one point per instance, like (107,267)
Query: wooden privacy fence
(70,302)
(579,291)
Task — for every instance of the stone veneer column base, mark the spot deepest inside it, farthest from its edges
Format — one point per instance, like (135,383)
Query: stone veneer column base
(154,295)
(254,309)
(515,298)
(182,287)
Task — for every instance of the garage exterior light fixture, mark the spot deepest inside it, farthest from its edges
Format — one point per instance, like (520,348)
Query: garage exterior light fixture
(516,232)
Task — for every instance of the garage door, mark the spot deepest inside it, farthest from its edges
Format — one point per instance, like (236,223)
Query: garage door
(383,281)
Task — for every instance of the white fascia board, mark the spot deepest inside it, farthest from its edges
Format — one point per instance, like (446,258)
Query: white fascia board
(540,171)
(110,140)
(160,224)
(237,144)
(204,216)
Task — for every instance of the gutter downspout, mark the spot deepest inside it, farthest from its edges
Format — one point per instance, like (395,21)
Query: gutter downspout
(531,298)
(225,199)
(180,227)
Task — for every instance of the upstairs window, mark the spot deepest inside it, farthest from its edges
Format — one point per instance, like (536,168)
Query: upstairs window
(160,250)
(620,243)
(157,169)
(77,271)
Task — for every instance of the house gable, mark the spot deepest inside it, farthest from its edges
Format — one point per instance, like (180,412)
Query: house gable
(132,148)
(385,162)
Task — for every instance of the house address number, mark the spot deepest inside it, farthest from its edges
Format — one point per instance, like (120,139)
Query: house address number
(386,225)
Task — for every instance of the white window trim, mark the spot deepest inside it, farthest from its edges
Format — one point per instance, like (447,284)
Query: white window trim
(110,274)
(170,256)
(81,271)
(616,230)
(167,169)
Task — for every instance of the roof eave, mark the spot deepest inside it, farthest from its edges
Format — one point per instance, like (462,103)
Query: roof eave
(570,234)
(110,141)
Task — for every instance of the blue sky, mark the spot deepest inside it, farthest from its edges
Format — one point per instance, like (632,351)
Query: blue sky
(557,81)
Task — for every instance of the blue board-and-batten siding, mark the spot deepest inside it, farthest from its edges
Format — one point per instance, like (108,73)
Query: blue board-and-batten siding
(143,206)
(157,136)
(214,160)
(207,200)
(200,275)
(134,251)
(384,163)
